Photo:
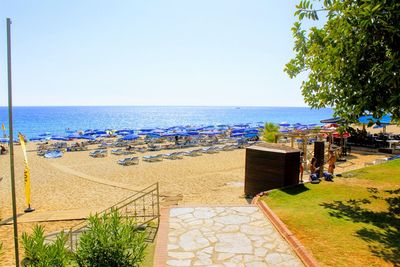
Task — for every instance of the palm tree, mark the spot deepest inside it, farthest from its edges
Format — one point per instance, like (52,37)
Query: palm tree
(270,130)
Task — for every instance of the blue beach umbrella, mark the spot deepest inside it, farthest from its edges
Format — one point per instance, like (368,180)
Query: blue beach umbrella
(33,139)
(87,137)
(130,137)
(153,135)
(4,140)
(73,135)
(237,134)
(386,119)
(59,138)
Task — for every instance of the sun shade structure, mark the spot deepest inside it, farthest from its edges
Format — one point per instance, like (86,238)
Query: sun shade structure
(332,120)
(386,119)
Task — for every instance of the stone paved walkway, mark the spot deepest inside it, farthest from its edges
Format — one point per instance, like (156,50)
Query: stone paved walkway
(225,236)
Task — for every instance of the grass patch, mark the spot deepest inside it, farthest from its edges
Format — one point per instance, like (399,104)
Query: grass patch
(149,258)
(352,221)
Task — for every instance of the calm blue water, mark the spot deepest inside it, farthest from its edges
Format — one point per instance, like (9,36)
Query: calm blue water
(33,121)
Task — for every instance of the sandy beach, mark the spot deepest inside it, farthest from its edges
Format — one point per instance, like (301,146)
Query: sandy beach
(79,182)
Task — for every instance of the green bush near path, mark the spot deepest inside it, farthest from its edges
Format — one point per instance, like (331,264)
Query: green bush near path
(353,221)
(109,240)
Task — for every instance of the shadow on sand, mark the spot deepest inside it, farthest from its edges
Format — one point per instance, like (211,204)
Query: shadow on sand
(384,242)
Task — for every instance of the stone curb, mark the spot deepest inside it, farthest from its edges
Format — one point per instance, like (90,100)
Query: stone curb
(300,250)
(161,249)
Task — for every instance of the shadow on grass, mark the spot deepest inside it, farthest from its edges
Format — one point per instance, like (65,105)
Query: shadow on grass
(384,240)
(294,190)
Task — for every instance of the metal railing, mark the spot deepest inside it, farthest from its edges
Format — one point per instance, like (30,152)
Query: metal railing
(143,207)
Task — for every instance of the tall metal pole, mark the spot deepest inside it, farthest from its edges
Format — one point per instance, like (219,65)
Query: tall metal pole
(11,143)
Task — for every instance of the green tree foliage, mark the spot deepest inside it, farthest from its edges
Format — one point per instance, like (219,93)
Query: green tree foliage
(111,240)
(270,130)
(353,60)
(40,254)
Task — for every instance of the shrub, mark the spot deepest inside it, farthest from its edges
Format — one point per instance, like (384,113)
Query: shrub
(111,240)
(38,253)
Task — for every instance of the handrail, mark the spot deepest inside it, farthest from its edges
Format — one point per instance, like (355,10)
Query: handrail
(153,211)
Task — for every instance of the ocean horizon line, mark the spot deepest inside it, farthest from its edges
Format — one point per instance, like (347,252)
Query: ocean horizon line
(189,106)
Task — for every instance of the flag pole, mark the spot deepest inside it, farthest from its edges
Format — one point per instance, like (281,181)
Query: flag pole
(11,143)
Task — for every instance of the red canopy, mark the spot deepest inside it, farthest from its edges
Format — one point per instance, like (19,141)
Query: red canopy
(344,135)
(330,125)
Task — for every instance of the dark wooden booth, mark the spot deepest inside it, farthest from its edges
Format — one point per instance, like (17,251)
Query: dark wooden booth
(270,166)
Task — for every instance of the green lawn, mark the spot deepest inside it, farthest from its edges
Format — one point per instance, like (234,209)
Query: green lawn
(353,221)
(148,260)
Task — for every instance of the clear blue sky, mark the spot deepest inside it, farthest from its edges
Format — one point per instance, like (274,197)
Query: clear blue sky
(213,52)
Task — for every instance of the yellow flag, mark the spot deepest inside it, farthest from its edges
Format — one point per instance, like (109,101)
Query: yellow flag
(3,127)
(27,174)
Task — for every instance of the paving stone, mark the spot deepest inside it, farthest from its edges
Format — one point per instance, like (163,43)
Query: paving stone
(233,264)
(224,256)
(208,250)
(292,263)
(233,243)
(251,258)
(181,255)
(203,213)
(256,264)
(273,258)
(195,222)
(230,228)
(260,252)
(193,240)
(179,262)
(203,262)
(253,230)
(179,211)
(186,216)
(233,219)
(225,236)
(245,210)
(172,247)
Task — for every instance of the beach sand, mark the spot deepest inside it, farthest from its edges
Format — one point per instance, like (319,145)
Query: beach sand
(77,181)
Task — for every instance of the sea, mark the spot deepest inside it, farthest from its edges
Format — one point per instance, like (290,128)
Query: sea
(33,121)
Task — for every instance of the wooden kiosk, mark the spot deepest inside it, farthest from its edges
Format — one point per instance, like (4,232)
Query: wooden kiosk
(270,166)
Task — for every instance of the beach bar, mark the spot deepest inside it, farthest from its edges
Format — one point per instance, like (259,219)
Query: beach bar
(270,166)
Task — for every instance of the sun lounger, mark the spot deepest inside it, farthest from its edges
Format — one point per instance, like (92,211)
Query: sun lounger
(175,155)
(129,161)
(210,150)
(98,154)
(192,153)
(153,158)
(154,148)
(116,151)
(141,149)
(228,148)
